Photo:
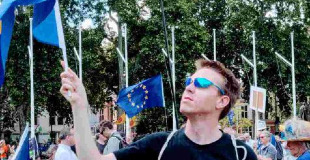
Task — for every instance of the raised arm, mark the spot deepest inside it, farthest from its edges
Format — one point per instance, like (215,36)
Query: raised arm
(85,145)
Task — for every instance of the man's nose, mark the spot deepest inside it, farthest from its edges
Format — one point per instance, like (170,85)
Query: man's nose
(190,88)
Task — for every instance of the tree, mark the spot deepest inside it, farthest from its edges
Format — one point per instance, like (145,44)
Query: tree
(234,22)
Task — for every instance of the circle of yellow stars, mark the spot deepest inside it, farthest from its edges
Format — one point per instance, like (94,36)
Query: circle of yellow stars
(129,95)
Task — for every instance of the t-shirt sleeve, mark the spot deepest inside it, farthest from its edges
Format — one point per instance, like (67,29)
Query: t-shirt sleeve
(146,148)
(250,154)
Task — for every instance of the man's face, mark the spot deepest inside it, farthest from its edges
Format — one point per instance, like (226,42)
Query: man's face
(106,132)
(294,148)
(247,137)
(102,137)
(264,139)
(202,101)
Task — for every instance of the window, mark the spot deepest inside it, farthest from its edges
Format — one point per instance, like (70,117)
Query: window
(60,120)
(244,111)
(248,130)
(52,120)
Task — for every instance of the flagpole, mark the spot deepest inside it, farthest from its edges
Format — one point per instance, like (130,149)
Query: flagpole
(214,45)
(80,43)
(30,49)
(174,126)
(80,52)
(126,72)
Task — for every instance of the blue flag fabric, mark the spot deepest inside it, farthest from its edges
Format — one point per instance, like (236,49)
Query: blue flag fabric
(6,27)
(22,151)
(47,26)
(146,94)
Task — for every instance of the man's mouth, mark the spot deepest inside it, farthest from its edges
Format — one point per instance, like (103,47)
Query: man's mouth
(188,98)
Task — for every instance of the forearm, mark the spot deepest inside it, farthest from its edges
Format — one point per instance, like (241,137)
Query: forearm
(85,145)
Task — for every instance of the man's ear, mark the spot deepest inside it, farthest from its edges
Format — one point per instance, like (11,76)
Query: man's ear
(222,102)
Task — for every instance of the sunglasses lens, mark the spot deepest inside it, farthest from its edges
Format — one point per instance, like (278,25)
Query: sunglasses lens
(188,81)
(202,83)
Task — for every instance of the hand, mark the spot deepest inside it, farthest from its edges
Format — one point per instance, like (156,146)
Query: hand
(70,82)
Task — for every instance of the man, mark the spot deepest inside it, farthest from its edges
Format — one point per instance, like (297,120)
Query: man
(298,149)
(64,151)
(267,151)
(209,95)
(4,150)
(248,140)
(114,138)
(297,133)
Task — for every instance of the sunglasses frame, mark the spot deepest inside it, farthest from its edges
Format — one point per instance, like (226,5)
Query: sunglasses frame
(198,84)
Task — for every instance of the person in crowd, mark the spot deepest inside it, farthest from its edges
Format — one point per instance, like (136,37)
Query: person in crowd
(248,140)
(115,139)
(297,133)
(209,95)
(279,148)
(67,140)
(267,151)
(101,142)
(4,150)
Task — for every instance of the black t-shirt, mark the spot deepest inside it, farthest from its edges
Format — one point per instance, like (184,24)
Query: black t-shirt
(180,147)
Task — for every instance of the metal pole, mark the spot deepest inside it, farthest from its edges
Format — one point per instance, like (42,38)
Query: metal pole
(174,121)
(254,60)
(293,74)
(32,89)
(255,83)
(126,72)
(214,45)
(80,51)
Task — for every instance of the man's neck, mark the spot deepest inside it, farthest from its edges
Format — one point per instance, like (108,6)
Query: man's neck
(202,130)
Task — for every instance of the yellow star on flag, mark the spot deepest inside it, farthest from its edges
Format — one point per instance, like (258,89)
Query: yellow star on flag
(146,97)
(144,87)
(146,92)
(128,95)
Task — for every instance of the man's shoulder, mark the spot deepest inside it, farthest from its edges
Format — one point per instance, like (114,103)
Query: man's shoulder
(60,152)
(271,147)
(305,156)
(157,137)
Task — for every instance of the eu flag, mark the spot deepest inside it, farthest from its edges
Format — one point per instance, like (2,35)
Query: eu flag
(146,94)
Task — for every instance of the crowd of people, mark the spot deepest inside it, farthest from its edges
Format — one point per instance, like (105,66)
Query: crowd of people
(209,95)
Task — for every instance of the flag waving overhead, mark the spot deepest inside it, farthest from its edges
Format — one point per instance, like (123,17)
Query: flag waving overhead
(47,26)
(146,94)
(7,18)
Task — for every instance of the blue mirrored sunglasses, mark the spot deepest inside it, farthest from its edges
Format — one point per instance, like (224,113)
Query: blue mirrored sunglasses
(202,83)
